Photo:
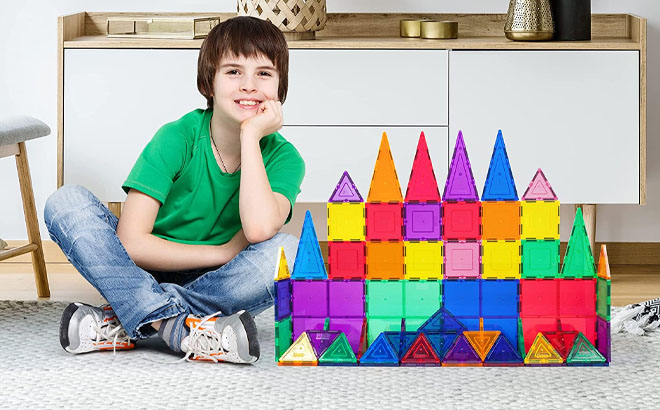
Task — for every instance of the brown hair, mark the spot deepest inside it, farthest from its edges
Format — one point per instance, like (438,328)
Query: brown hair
(242,36)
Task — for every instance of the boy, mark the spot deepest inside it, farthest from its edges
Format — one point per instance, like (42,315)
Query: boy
(192,256)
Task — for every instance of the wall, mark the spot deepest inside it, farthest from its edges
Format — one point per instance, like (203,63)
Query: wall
(28,85)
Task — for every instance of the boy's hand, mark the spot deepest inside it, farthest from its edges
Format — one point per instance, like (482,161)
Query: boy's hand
(267,120)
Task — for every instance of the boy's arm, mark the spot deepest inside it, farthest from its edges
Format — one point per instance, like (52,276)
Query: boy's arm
(153,253)
(263,212)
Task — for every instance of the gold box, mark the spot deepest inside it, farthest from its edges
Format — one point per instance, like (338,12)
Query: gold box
(177,27)
(432,29)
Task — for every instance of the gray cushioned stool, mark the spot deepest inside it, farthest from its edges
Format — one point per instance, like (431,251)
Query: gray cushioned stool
(14,132)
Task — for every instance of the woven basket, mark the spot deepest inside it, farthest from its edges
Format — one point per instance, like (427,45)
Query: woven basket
(298,18)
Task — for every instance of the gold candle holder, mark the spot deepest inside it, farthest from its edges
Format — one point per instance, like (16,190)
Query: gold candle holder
(432,29)
(409,27)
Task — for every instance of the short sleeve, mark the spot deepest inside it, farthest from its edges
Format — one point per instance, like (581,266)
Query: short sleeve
(160,163)
(285,171)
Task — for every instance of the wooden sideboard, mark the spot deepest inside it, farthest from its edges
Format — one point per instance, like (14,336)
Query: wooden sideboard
(575,109)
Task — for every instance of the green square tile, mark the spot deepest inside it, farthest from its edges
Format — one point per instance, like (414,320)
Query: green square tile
(413,323)
(603,298)
(376,326)
(540,259)
(283,336)
(421,298)
(384,298)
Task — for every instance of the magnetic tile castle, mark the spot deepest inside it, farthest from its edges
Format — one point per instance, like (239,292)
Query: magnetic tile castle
(443,280)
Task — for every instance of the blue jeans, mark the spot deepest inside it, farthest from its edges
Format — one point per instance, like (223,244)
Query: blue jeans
(85,230)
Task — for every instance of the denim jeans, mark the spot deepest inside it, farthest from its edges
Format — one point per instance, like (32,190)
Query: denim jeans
(85,230)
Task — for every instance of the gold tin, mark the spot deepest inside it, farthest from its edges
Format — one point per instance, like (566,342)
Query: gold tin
(432,29)
(409,28)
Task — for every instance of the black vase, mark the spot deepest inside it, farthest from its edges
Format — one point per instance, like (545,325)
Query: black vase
(572,19)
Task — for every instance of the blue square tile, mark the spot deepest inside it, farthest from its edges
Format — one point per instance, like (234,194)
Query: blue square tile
(499,298)
(282,299)
(508,327)
(461,297)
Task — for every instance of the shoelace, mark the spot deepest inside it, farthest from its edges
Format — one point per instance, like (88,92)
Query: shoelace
(111,330)
(202,342)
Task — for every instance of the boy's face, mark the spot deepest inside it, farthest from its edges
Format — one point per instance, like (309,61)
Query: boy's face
(241,84)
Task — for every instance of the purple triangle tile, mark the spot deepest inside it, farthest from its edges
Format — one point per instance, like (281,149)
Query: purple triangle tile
(460,184)
(462,352)
(321,340)
(346,191)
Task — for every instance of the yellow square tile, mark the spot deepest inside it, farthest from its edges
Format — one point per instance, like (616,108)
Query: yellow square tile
(539,220)
(346,221)
(423,260)
(500,260)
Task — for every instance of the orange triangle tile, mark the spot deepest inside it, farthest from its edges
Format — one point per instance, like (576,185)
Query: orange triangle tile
(542,352)
(422,186)
(282,267)
(384,183)
(604,264)
(482,341)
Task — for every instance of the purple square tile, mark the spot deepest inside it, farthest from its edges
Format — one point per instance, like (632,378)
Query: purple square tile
(346,298)
(462,259)
(422,222)
(352,328)
(282,299)
(303,324)
(309,298)
(603,338)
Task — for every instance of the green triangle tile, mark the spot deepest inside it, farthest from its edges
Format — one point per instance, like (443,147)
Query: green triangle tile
(339,352)
(579,260)
(583,352)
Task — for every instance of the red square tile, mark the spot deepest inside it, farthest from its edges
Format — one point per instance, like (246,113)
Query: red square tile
(532,326)
(539,297)
(577,297)
(586,325)
(384,222)
(346,260)
(461,220)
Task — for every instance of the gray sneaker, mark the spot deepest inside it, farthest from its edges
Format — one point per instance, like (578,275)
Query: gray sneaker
(222,339)
(85,328)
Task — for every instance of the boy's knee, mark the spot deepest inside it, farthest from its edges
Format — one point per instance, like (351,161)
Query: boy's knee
(289,243)
(67,198)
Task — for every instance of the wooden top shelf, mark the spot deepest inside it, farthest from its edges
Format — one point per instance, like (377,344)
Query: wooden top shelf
(375,31)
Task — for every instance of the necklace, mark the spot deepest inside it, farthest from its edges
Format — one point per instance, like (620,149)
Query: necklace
(220,156)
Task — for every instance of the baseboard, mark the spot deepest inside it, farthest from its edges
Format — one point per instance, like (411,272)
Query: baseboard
(620,253)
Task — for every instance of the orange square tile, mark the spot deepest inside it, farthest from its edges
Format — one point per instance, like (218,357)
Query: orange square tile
(500,220)
(384,260)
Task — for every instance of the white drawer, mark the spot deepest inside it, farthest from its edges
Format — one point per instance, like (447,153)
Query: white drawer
(329,151)
(367,87)
(574,114)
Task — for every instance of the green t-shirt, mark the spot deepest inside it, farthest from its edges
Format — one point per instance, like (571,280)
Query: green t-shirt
(199,202)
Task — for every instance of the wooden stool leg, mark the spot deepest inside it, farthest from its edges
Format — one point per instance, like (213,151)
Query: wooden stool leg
(589,215)
(32,223)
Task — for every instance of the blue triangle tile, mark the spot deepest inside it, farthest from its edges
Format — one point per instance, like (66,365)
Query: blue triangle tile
(441,342)
(442,321)
(380,353)
(499,185)
(309,261)
(346,191)
(395,340)
(503,352)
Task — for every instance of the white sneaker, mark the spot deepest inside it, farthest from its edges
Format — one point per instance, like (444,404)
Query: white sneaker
(222,339)
(85,328)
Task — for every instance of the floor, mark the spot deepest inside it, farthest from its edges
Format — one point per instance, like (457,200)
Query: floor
(630,283)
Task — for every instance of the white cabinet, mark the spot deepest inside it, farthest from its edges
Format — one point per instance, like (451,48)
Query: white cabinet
(575,114)
(367,87)
(329,151)
(114,102)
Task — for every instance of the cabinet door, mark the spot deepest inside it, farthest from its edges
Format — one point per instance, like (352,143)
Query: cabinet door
(329,151)
(114,102)
(575,114)
(367,87)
